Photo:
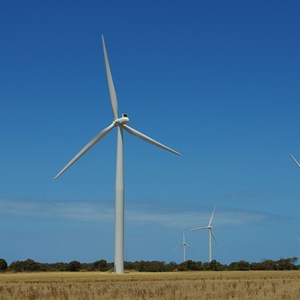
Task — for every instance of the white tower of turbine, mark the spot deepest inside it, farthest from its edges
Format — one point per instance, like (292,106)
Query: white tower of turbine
(120,123)
(209,227)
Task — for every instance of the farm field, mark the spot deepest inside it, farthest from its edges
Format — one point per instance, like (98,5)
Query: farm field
(260,285)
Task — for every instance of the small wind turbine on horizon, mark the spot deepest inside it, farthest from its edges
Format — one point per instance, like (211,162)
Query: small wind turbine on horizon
(295,160)
(299,242)
(184,244)
(120,123)
(209,227)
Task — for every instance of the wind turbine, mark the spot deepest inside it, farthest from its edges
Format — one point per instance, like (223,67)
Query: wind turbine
(184,244)
(299,242)
(120,123)
(209,227)
(295,160)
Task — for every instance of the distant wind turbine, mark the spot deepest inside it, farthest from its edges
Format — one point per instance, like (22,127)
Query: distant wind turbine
(299,242)
(120,123)
(184,244)
(295,160)
(209,227)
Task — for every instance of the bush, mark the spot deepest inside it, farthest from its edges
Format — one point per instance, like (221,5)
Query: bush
(100,265)
(241,265)
(74,266)
(28,265)
(3,265)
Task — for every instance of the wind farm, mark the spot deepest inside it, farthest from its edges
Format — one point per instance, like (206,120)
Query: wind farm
(216,82)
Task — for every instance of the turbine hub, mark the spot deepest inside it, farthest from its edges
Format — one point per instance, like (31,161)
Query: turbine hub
(121,121)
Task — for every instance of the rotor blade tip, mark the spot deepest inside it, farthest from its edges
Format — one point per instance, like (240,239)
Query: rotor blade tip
(56,176)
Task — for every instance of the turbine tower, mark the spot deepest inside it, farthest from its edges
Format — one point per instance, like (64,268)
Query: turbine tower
(120,123)
(209,227)
(184,244)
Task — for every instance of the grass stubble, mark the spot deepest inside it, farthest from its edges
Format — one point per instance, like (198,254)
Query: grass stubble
(258,285)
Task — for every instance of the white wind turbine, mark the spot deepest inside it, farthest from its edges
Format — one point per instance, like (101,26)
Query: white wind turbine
(184,244)
(209,227)
(120,123)
(299,242)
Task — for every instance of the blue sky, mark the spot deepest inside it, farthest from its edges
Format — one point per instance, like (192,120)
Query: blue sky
(216,80)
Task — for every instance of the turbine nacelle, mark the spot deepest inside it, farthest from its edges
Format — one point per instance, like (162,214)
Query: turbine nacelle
(121,121)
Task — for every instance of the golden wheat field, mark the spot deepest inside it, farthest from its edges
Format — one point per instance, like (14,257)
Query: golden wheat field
(260,285)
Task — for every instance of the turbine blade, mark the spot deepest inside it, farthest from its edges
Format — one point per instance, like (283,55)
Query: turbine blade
(298,239)
(295,160)
(188,245)
(96,139)
(148,139)
(200,228)
(111,87)
(212,216)
(213,236)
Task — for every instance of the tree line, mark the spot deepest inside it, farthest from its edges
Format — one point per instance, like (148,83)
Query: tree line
(30,265)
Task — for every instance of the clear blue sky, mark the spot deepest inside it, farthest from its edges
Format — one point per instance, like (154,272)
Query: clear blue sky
(216,80)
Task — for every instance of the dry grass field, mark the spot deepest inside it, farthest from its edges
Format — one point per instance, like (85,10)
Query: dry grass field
(258,285)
